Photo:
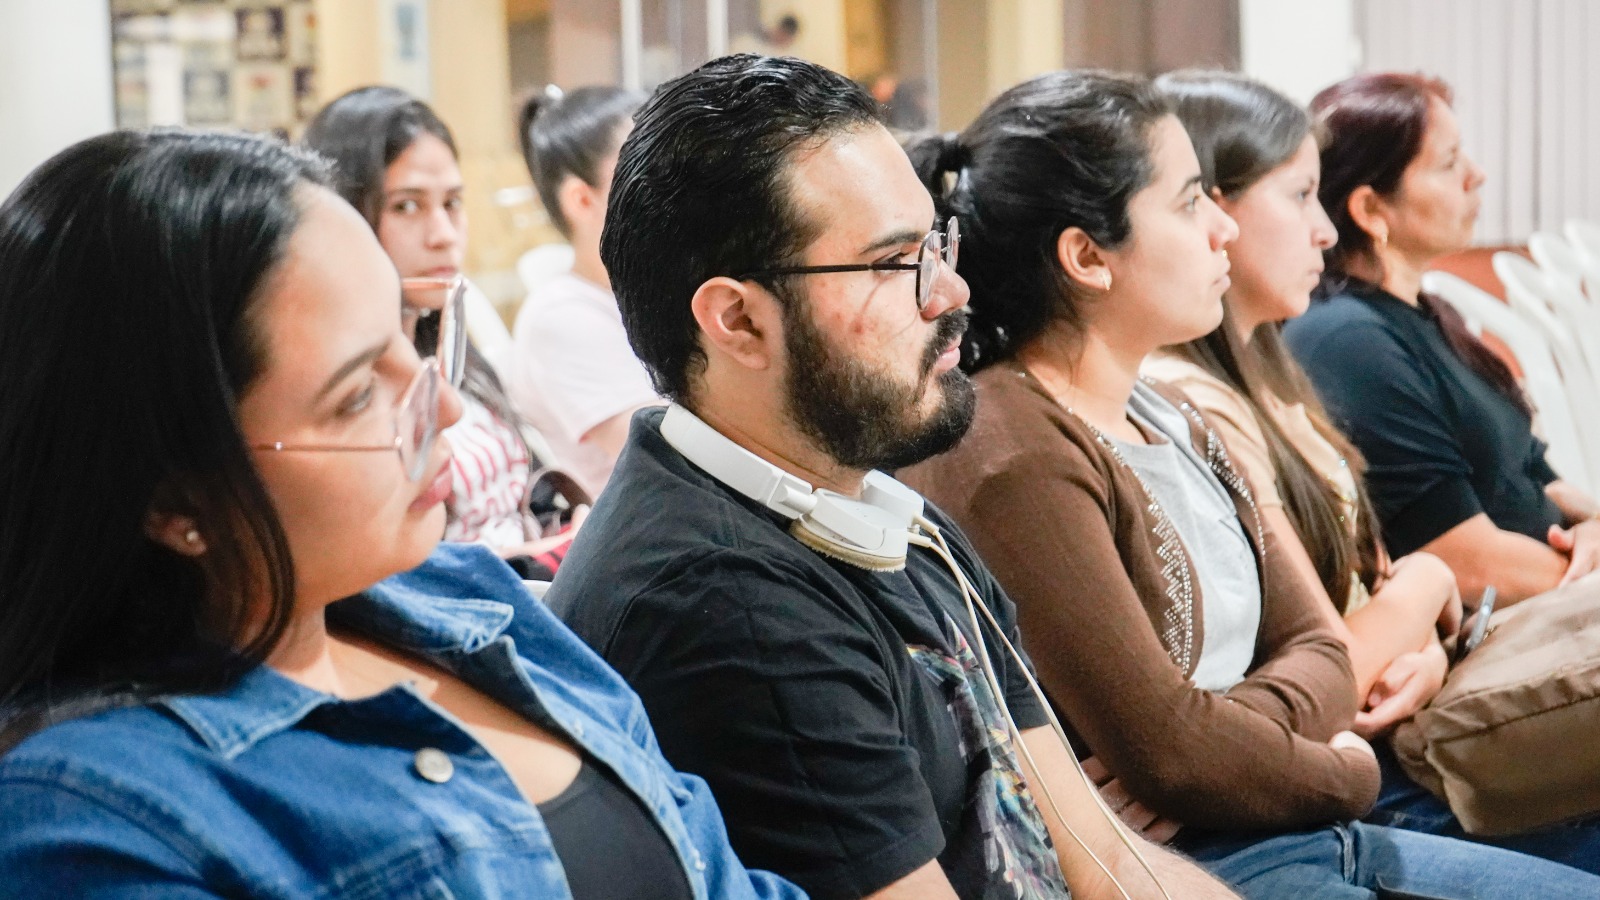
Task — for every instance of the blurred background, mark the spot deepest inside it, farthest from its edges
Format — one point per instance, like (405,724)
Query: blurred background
(1523,70)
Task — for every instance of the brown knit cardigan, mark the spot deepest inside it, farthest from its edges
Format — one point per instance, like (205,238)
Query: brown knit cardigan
(1078,545)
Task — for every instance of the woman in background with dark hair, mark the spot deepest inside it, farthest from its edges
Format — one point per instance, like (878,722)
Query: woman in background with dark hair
(395,162)
(1165,625)
(573,373)
(221,683)
(1259,162)
(1452,463)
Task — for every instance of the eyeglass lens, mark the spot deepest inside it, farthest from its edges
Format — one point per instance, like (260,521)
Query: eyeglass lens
(417,420)
(446,336)
(938,244)
(453,336)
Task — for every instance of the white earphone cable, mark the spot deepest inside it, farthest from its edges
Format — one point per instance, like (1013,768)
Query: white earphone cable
(974,603)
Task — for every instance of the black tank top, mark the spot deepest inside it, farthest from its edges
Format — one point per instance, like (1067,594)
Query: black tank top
(608,843)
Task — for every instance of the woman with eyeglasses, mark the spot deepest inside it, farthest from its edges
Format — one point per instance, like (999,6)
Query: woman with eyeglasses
(1164,622)
(253,672)
(395,161)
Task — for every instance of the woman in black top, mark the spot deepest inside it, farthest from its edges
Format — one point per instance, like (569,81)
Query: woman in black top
(1453,465)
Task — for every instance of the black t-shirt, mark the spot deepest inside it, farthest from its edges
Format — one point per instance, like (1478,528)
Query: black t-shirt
(1441,444)
(821,702)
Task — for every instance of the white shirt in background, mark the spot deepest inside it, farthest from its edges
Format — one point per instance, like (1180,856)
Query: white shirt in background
(571,369)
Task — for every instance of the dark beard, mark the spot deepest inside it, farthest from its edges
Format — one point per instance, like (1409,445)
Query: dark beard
(861,418)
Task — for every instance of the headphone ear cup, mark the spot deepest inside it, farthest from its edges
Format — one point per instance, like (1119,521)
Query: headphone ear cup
(872,532)
(832,547)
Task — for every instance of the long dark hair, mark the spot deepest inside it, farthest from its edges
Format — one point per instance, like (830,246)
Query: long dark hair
(1242,130)
(363,132)
(1371,127)
(130,269)
(1063,150)
(571,134)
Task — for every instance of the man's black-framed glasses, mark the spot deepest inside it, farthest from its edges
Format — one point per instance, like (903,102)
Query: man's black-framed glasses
(936,245)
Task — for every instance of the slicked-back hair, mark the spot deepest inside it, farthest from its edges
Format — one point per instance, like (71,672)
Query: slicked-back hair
(701,190)
(1063,150)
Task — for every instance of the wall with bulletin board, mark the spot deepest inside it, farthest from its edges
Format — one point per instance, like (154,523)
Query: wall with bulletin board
(221,63)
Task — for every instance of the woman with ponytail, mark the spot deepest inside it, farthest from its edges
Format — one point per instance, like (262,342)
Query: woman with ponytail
(573,374)
(1453,465)
(1165,624)
(1259,162)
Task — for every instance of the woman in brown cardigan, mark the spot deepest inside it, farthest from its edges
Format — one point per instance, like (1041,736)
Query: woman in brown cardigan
(1165,624)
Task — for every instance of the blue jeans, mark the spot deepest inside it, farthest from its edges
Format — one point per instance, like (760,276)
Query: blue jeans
(1402,803)
(1356,861)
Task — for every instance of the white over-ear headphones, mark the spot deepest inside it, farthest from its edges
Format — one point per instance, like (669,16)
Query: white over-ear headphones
(875,533)
(872,532)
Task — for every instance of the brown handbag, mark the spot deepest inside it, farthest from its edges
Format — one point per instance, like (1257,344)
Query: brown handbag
(1510,742)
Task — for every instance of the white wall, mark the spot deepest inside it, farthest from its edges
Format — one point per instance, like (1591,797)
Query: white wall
(1298,46)
(55,80)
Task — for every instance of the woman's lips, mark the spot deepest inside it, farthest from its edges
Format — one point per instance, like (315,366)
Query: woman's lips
(438,490)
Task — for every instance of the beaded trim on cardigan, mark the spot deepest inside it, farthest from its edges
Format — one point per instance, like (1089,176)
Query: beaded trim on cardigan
(1177,621)
(1177,633)
(1222,466)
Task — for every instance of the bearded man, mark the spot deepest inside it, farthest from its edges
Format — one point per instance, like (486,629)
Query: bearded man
(828,654)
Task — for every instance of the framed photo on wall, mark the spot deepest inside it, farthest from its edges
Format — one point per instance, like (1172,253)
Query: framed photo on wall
(248,64)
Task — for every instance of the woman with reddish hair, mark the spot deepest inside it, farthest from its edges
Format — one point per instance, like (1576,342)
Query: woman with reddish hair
(1453,465)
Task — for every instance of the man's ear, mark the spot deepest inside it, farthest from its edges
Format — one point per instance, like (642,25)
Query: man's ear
(1083,260)
(740,320)
(177,531)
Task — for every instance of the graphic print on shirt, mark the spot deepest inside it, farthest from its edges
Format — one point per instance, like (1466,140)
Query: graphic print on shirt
(1018,852)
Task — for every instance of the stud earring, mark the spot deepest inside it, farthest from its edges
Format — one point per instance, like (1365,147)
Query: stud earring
(192,537)
(1105,281)
(1383,238)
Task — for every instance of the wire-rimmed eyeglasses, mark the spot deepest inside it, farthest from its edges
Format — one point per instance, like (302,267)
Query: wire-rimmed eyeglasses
(936,245)
(416,416)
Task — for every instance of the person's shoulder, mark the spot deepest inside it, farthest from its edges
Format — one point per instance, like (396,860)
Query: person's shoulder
(1184,374)
(1015,418)
(1019,437)
(661,527)
(90,755)
(1345,318)
(568,293)
(131,778)
(1214,399)
(565,307)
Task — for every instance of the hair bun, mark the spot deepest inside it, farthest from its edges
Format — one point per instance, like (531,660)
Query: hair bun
(953,155)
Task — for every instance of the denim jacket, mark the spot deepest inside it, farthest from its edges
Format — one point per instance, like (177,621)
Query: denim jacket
(273,789)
